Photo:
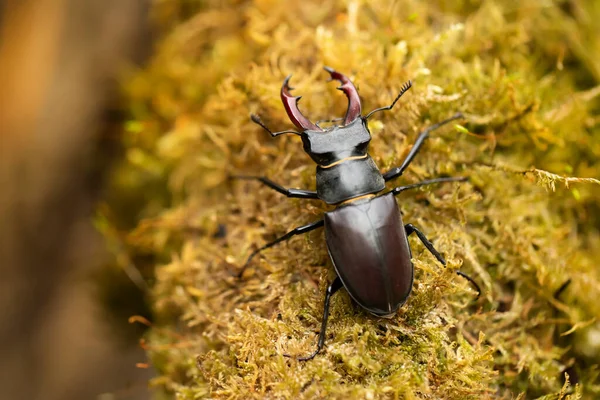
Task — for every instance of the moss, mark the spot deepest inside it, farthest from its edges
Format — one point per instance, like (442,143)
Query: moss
(524,75)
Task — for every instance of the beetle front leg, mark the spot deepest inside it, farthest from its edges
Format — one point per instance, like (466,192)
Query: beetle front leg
(396,172)
(298,231)
(334,287)
(292,193)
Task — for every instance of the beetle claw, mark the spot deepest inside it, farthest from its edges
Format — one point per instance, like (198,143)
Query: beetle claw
(354,106)
(291,107)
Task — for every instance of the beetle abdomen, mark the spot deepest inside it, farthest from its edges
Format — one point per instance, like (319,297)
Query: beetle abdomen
(369,249)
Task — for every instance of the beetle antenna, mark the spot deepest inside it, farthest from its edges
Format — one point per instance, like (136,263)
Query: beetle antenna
(404,89)
(256,119)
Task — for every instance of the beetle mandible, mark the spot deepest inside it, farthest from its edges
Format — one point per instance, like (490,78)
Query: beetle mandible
(366,238)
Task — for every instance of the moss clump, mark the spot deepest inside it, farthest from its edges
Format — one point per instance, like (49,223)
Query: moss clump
(524,74)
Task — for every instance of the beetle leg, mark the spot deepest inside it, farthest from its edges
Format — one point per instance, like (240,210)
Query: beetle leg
(334,287)
(298,231)
(561,289)
(472,281)
(396,172)
(296,193)
(401,189)
(404,89)
(410,228)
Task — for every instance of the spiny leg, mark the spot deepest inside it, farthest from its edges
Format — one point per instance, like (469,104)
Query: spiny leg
(401,189)
(410,228)
(472,282)
(298,231)
(293,193)
(404,89)
(396,172)
(334,287)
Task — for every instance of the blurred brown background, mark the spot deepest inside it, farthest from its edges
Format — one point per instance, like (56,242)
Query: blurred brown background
(60,61)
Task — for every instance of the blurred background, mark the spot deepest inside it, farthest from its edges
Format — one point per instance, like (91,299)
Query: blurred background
(60,117)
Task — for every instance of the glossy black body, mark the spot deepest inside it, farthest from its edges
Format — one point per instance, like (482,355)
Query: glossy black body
(365,238)
(368,246)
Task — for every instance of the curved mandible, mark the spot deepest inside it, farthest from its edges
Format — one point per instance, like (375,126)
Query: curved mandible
(354,107)
(291,107)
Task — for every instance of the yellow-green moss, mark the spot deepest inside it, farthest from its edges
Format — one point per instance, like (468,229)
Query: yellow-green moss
(526,75)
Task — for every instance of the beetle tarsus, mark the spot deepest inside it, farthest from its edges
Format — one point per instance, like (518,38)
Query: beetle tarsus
(334,287)
(472,281)
(396,172)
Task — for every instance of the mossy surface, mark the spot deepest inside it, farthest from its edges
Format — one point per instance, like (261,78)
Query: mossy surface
(526,75)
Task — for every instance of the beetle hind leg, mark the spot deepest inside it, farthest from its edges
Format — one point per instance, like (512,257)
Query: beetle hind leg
(334,287)
(410,228)
(472,282)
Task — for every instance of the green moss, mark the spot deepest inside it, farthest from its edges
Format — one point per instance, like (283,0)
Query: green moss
(525,76)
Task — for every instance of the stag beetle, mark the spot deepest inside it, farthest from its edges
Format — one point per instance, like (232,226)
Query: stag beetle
(366,238)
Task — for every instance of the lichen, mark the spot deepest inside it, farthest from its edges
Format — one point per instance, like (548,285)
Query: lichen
(526,76)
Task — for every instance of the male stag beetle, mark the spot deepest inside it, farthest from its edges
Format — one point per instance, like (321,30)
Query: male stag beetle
(366,238)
